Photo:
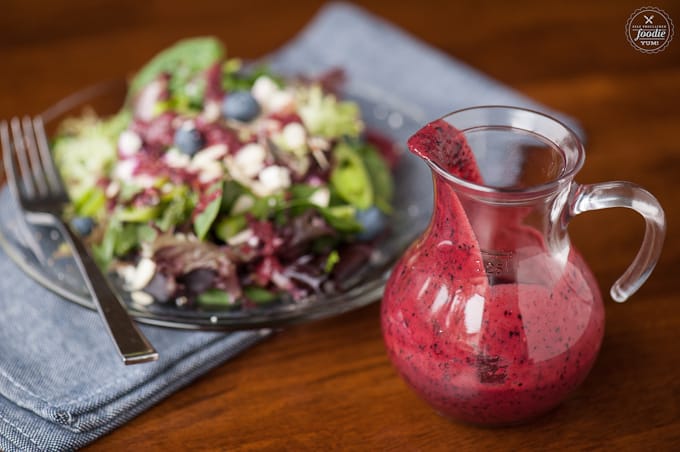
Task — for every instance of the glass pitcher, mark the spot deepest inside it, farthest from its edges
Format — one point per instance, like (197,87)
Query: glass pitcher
(491,315)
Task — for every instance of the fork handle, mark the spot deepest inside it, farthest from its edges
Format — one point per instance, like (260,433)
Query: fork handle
(132,346)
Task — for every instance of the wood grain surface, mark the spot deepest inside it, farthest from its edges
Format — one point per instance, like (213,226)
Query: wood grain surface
(328,385)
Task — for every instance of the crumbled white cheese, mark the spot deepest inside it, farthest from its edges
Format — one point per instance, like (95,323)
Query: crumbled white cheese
(294,136)
(263,89)
(249,160)
(146,104)
(273,179)
(144,181)
(212,111)
(242,204)
(135,278)
(321,197)
(208,156)
(112,189)
(141,276)
(210,171)
(207,163)
(125,169)
(147,250)
(270,97)
(174,158)
(281,280)
(241,238)
(127,273)
(129,143)
(281,101)
(141,298)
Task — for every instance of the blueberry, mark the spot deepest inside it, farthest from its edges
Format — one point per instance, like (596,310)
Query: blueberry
(372,221)
(189,141)
(83,225)
(240,105)
(160,287)
(198,281)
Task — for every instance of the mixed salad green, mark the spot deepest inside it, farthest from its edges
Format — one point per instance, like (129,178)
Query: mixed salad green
(220,185)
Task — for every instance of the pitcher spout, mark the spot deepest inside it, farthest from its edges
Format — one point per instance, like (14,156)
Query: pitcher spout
(446,150)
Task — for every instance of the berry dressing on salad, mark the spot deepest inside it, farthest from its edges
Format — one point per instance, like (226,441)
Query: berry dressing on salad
(220,186)
(489,335)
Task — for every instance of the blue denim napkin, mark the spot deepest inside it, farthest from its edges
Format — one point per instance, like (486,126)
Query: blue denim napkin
(61,386)
(384,62)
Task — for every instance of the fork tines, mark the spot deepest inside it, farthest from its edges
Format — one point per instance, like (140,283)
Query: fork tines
(38,174)
(10,151)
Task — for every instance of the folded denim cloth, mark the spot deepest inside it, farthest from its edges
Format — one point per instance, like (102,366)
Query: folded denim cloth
(61,387)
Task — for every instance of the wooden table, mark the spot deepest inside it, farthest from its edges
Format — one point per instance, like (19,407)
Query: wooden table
(329,385)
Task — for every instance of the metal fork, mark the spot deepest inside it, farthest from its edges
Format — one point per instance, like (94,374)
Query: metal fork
(41,194)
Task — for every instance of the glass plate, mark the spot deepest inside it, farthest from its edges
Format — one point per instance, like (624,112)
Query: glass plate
(382,113)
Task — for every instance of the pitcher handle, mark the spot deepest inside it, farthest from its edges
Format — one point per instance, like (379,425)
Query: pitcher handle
(626,194)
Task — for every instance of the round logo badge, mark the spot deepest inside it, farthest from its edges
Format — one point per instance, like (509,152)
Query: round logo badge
(649,29)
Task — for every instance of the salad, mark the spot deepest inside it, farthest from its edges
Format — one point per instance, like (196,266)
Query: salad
(219,185)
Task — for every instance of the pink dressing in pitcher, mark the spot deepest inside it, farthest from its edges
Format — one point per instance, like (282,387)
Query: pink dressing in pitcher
(485,336)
